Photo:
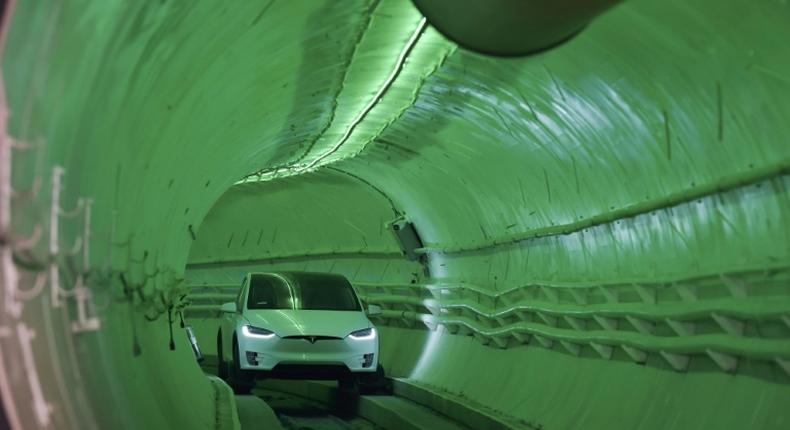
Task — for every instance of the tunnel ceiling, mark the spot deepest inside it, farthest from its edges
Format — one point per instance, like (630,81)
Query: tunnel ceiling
(642,164)
(583,138)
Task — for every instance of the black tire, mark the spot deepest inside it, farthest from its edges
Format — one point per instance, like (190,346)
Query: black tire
(376,377)
(240,380)
(348,383)
(375,382)
(222,367)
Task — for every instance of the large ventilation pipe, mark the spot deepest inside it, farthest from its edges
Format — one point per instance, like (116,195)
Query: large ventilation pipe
(511,27)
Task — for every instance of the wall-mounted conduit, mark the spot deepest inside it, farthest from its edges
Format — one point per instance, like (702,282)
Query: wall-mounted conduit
(718,316)
(733,182)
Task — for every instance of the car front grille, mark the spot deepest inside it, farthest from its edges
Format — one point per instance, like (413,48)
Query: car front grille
(312,339)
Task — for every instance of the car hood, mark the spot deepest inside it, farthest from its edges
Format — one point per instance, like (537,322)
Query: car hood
(308,323)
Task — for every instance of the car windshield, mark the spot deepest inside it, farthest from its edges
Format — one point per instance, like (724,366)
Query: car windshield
(302,291)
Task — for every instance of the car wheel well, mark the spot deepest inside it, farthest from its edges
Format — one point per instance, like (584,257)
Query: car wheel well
(234,346)
(222,370)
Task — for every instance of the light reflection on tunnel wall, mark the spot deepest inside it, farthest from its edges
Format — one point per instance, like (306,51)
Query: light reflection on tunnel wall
(609,217)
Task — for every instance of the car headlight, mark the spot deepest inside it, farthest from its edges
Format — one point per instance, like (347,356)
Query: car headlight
(364,334)
(261,333)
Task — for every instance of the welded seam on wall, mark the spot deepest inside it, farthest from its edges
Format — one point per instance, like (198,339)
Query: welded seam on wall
(412,101)
(700,277)
(279,258)
(346,68)
(722,185)
(411,43)
(400,113)
(379,95)
(681,311)
(397,212)
(735,280)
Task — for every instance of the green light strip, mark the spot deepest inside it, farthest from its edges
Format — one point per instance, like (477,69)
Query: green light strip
(387,83)
(314,164)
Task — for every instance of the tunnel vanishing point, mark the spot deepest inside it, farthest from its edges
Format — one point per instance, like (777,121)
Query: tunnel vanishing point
(583,223)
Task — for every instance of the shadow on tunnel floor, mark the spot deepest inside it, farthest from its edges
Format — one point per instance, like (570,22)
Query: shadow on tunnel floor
(342,403)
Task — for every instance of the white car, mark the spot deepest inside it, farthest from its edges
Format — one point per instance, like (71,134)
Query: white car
(296,325)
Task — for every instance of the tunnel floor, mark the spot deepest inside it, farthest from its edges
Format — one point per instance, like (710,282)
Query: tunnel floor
(299,413)
(340,410)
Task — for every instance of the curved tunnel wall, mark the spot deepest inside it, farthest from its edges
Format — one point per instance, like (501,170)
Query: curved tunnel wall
(327,221)
(324,221)
(650,150)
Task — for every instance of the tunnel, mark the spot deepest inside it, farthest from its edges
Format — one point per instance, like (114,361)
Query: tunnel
(591,235)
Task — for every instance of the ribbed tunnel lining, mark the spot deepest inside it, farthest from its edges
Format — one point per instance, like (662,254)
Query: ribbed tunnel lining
(655,156)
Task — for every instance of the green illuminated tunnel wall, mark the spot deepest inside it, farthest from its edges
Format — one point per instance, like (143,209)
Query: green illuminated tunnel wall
(605,224)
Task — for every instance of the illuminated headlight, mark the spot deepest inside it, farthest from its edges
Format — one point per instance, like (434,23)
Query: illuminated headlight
(261,333)
(364,334)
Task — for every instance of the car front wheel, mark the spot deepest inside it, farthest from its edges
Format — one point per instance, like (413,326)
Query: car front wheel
(348,383)
(240,380)
(222,367)
(375,382)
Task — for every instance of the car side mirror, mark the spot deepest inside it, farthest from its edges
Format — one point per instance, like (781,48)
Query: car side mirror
(374,310)
(229,307)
